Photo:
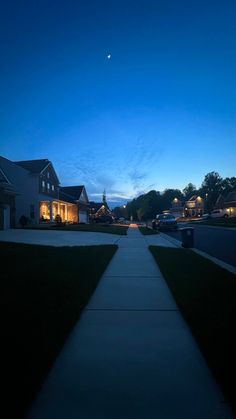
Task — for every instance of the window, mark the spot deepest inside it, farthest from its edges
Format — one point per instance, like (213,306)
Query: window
(53,189)
(48,175)
(48,187)
(43,185)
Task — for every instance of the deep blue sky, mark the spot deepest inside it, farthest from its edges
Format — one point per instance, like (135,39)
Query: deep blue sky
(160,113)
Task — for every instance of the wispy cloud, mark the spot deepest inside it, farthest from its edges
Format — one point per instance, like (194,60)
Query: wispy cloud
(122,166)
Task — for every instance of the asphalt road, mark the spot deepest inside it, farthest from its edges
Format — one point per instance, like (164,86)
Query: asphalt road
(219,242)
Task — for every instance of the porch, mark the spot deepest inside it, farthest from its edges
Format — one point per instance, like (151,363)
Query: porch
(49,209)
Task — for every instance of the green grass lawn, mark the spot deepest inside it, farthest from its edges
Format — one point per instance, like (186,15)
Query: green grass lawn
(99,228)
(206,296)
(147,231)
(221,222)
(43,291)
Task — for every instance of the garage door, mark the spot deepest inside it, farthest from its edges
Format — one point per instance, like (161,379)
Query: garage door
(83,217)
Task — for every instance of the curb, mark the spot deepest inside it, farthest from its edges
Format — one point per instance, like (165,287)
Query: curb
(219,262)
(171,240)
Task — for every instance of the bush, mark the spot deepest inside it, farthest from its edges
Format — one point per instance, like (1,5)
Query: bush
(58,219)
(23,221)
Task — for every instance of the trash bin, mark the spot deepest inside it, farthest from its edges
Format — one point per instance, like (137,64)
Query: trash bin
(187,235)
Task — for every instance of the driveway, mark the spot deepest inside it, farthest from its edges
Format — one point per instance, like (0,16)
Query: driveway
(58,238)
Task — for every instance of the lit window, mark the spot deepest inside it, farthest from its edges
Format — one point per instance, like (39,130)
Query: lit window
(43,184)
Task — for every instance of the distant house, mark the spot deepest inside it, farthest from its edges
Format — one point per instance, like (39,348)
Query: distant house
(98,209)
(7,202)
(38,194)
(177,208)
(194,207)
(227,203)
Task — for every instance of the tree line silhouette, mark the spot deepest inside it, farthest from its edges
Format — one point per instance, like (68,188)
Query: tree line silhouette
(146,206)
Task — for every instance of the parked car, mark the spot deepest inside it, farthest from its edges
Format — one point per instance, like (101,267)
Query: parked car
(219,213)
(165,222)
(121,220)
(206,216)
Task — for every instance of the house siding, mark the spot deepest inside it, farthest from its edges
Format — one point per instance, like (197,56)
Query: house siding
(7,200)
(26,187)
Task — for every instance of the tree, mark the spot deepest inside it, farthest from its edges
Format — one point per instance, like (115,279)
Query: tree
(211,188)
(189,191)
(167,197)
(228,185)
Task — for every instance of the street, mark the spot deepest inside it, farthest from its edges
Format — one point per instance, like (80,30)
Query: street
(219,242)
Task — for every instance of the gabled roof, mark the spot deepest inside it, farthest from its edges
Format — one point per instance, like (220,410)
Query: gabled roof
(33,166)
(3,178)
(96,206)
(220,201)
(5,184)
(193,198)
(66,197)
(74,191)
(36,167)
(231,197)
(77,192)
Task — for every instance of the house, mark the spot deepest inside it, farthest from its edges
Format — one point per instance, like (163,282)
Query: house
(25,187)
(99,209)
(79,195)
(227,203)
(7,202)
(177,208)
(38,194)
(194,207)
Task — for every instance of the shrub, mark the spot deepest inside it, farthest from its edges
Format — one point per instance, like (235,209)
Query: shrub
(23,220)
(58,219)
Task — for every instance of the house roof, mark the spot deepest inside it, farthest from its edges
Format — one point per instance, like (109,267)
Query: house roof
(193,198)
(74,191)
(3,178)
(36,167)
(230,197)
(33,166)
(5,184)
(96,206)
(66,197)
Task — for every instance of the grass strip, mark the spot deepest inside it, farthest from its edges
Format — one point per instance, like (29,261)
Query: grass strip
(221,222)
(147,231)
(43,291)
(206,295)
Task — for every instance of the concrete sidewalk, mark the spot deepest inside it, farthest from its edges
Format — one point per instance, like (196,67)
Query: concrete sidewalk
(131,355)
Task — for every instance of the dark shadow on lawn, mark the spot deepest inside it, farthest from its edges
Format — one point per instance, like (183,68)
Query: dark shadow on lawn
(43,291)
(206,296)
